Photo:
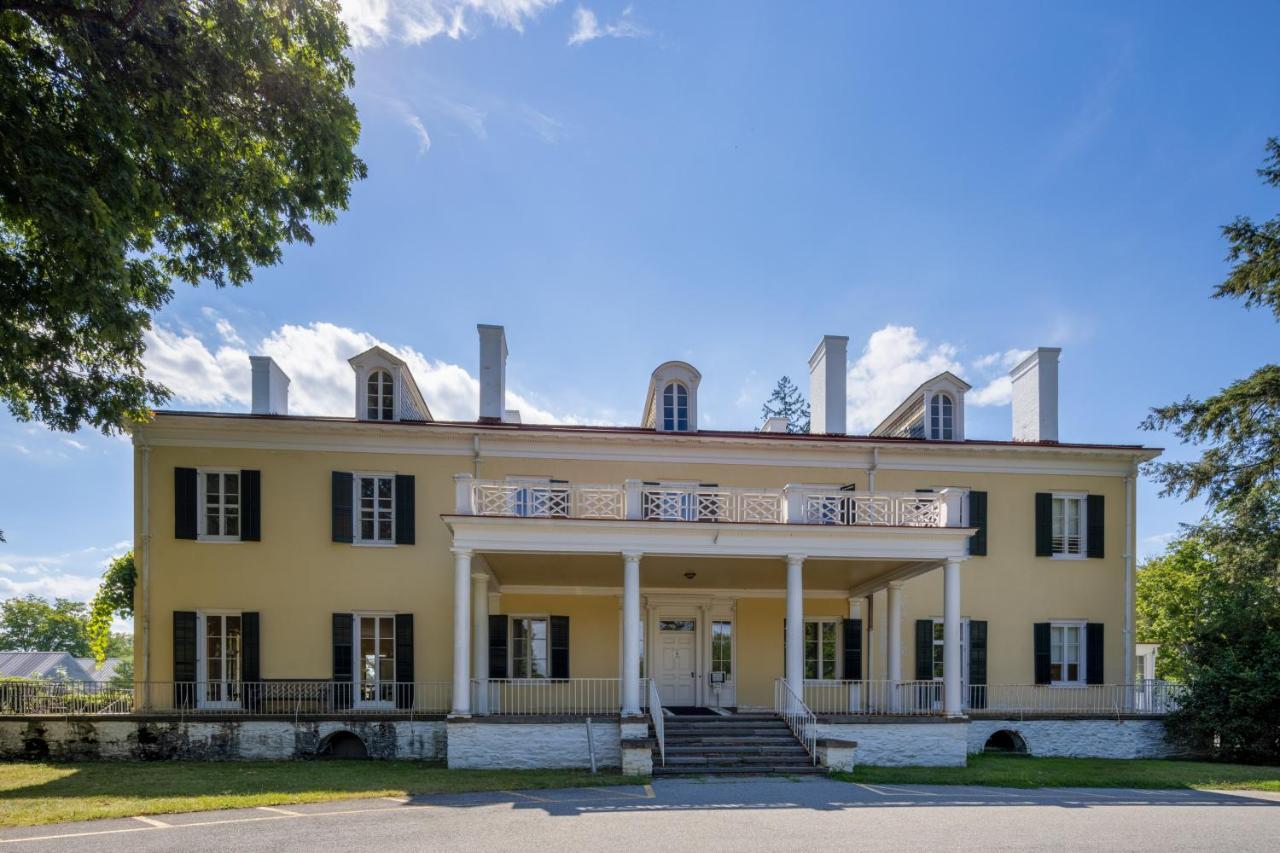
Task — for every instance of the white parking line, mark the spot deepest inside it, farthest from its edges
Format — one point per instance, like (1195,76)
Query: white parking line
(280,811)
(150,821)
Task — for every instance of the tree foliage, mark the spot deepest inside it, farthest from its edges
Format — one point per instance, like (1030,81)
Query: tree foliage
(113,598)
(786,401)
(32,624)
(143,141)
(1221,616)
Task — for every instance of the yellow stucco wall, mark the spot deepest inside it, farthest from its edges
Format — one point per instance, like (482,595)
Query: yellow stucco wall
(296,577)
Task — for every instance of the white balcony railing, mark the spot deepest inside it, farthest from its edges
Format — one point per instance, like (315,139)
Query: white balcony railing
(548,696)
(794,504)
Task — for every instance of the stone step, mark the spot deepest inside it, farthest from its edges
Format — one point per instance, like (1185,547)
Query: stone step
(735,749)
(725,730)
(720,743)
(721,760)
(740,770)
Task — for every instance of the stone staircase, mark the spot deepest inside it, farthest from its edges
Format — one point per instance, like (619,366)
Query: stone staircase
(736,744)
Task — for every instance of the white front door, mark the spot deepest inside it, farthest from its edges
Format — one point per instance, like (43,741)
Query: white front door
(677,664)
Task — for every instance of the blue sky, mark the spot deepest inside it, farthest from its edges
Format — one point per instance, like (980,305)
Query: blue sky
(945,183)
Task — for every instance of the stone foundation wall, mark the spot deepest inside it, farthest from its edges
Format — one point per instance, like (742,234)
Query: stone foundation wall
(65,739)
(479,743)
(1132,738)
(906,744)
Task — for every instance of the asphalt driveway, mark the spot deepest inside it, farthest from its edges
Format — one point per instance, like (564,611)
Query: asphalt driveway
(742,815)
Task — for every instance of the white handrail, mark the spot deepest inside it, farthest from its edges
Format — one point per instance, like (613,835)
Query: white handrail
(798,717)
(659,725)
(550,696)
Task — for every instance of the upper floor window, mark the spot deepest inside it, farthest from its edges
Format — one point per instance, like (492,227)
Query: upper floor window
(375,508)
(220,505)
(675,407)
(1068,530)
(941,417)
(381,396)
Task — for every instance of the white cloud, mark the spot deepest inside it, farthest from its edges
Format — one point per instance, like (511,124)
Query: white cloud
(70,574)
(547,128)
(71,442)
(896,360)
(315,358)
(375,22)
(586,27)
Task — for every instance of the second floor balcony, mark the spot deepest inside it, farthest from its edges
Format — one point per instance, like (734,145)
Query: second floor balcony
(703,502)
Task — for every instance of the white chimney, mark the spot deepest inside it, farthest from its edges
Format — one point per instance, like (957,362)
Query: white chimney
(776,423)
(493,372)
(1035,396)
(828,385)
(270,386)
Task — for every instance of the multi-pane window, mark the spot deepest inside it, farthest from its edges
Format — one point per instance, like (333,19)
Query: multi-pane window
(381,396)
(675,408)
(722,650)
(376,665)
(221,658)
(939,648)
(529,647)
(1068,532)
(941,417)
(820,650)
(375,508)
(221,497)
(1066,653)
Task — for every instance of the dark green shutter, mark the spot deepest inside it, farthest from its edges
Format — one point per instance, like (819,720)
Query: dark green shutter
(250,661)
(1044,524)
(251,506)
(185,641)
(852,649)
(559,646)
(1093,651)
(1043,659)
(343,527)
(343,659)
(404,660)
(405,512)
(1095,513)
(185,491)
(977,663)
(924,650)
(978,519)
(498,629)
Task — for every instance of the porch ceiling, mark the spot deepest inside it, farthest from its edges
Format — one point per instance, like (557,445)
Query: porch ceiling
(668,573)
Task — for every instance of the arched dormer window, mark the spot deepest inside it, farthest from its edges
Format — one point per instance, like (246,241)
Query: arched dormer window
(941,417)
(675,408)
(381,396)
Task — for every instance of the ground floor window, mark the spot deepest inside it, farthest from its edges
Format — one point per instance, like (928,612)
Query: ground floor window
(820,649)
(1066,653)
(721,651)
(529,647)
(220,664)
(938,650)
(376,659)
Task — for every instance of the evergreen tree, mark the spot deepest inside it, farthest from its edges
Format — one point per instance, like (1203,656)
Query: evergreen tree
(787,402)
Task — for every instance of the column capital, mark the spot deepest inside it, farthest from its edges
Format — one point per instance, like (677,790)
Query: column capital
(896,585)
(480,576)
(461,552)
(630,556)
(795,559)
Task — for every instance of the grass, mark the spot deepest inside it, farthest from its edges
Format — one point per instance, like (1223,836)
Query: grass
(1017,771)
(32,794)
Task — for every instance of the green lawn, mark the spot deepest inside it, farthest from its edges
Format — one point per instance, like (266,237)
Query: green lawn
(52,793)
(1017,771)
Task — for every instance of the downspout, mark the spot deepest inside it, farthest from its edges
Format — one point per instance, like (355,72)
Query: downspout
(475,456)
(145,570)
(1130,577)
(871,472)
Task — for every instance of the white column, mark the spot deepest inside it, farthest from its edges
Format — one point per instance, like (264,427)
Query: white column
(952,704)
(630,634)
(462,632)
(480,638)
(893,646)
(795,624)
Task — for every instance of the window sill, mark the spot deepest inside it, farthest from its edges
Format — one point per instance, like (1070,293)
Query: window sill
(220,540)
(374,544)
(1067,556)
(1068,685)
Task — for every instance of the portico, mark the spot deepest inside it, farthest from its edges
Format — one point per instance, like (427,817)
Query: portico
(714,582)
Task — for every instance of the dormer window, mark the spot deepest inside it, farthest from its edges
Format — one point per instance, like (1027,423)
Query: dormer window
(941,417)
(675,408)
(381,396)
